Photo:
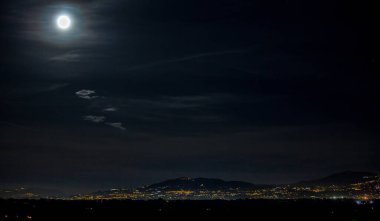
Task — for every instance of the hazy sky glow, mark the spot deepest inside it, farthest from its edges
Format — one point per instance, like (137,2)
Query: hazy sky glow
(139,91)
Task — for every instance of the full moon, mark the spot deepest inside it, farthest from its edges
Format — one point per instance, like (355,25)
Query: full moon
(63,22)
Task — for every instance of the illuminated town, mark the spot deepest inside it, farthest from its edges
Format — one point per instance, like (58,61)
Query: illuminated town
(368,189)
(185,188)
(347,190)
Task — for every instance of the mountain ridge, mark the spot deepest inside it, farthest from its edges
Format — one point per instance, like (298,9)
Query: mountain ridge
(342,178)
(186,183)
(200,183)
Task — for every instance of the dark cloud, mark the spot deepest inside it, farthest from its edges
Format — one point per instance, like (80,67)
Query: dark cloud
(95,119)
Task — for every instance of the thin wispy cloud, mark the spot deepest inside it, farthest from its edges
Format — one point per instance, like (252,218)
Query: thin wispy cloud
(86,94)
(36,88)
(110,109)
(185,58)
(117,125)
(95,119)
(67,57)
(56,86)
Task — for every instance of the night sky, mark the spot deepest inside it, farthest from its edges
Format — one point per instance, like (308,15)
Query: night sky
(140,91)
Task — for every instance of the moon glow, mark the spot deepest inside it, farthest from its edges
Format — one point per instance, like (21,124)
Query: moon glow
(63,22)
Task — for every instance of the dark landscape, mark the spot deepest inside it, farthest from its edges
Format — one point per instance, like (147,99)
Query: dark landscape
(184,210)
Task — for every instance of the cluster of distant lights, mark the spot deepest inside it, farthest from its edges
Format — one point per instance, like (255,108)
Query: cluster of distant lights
(362,202)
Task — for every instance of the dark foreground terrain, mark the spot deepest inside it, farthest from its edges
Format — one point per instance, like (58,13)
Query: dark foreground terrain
(132,210)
